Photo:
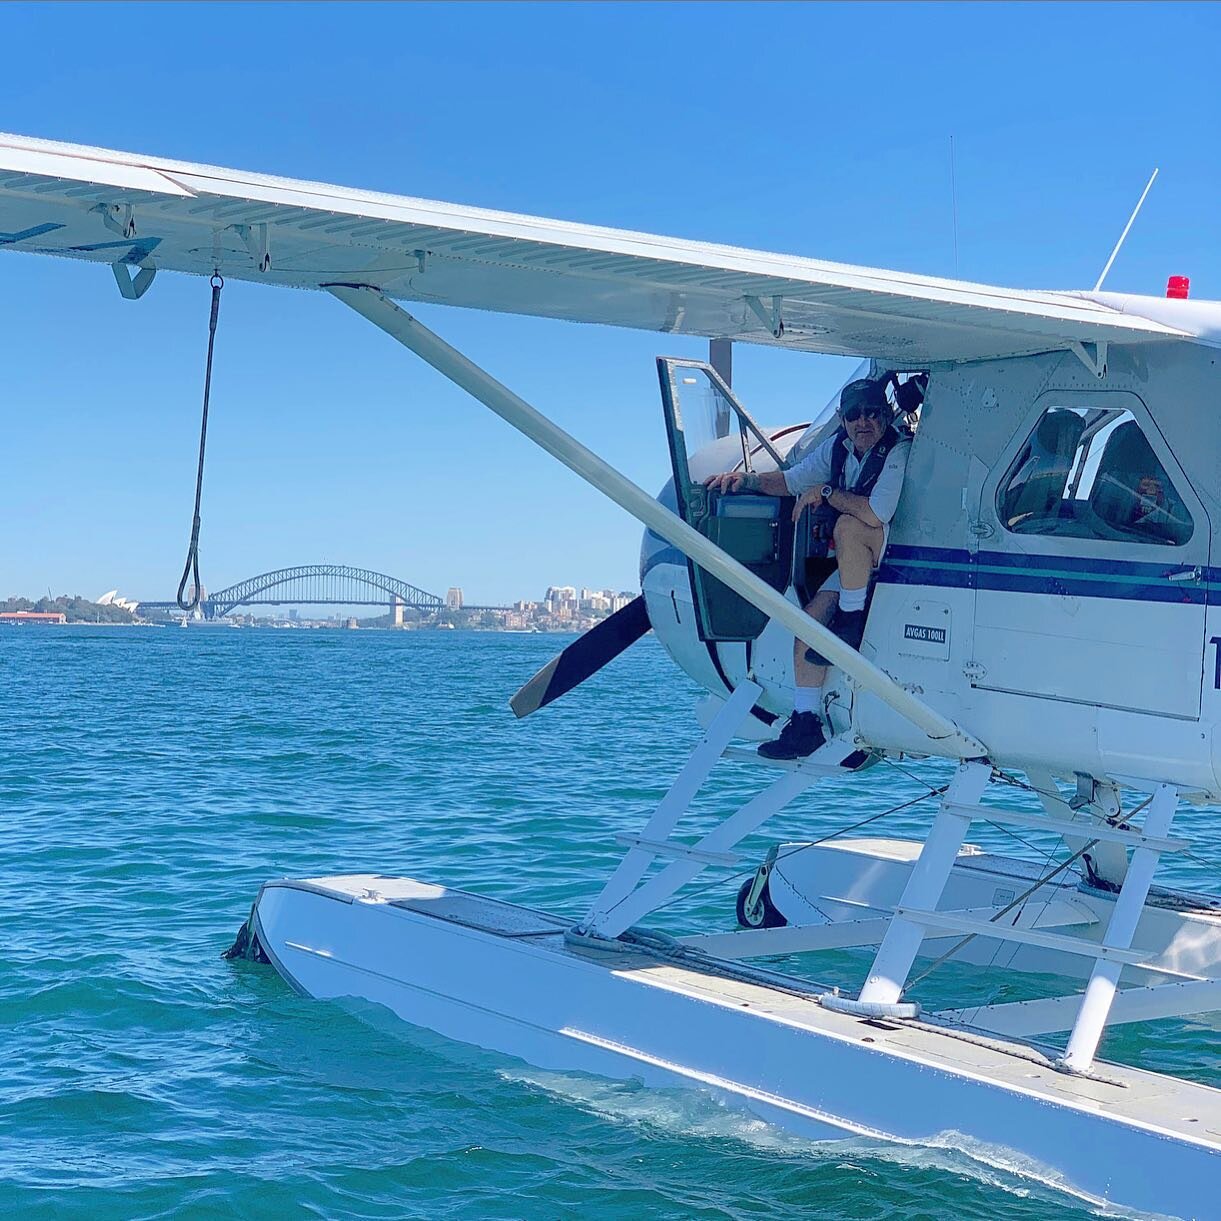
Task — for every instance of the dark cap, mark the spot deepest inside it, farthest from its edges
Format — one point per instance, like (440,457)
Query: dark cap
(863,393)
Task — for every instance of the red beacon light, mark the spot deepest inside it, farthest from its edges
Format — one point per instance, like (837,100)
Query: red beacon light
(1178,287)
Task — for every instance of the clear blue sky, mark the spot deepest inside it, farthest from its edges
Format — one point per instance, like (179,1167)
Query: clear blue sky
(819,130)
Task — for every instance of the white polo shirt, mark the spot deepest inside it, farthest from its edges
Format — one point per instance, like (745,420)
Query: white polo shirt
(815,469)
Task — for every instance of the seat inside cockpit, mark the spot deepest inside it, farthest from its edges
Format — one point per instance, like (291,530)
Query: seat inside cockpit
(1091,473)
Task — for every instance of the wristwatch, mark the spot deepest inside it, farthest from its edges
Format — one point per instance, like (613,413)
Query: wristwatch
(827,491)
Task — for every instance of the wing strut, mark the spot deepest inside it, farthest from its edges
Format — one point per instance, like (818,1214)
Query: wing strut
(400,325)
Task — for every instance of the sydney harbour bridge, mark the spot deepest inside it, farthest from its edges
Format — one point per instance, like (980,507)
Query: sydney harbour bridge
(316,585)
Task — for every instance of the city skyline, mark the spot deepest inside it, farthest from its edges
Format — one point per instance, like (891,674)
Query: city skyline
(121,595)
(594,598)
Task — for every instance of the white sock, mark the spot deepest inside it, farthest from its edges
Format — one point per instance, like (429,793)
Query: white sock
(806,699)
(852,599)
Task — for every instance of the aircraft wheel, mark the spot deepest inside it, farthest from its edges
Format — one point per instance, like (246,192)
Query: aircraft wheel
(764,915)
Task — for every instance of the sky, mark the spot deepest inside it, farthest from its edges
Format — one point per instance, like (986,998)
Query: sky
(820,130)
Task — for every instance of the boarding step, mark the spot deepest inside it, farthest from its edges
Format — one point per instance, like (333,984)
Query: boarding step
(951,922)
(826,761)
(1060,826)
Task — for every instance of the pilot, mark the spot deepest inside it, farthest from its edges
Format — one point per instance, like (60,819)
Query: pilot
(1150,498)
(852,482)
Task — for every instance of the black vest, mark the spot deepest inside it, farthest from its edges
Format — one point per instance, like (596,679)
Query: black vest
(874,460)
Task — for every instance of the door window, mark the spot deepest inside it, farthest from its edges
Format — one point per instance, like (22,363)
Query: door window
(702,414)
(1090,472)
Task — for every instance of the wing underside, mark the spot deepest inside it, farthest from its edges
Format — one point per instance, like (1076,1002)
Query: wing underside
(136,212)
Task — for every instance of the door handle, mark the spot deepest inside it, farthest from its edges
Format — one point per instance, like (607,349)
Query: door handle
(1186,574)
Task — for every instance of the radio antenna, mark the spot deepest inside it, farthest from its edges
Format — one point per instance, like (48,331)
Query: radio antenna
(954,205)
(1124,234)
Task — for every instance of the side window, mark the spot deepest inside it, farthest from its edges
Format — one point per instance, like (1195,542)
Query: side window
(1089,472)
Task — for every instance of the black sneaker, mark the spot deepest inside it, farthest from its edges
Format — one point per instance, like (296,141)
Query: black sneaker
(802,735)
(849,626)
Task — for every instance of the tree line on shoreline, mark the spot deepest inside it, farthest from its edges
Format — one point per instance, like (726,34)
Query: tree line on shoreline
(75,608)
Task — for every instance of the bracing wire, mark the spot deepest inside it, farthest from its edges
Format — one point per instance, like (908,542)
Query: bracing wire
(1037,884)
(1040,882)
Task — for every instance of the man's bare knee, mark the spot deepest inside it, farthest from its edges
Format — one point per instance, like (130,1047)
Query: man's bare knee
(853,536)
(849,529)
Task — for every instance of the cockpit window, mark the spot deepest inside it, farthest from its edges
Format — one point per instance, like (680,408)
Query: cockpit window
(1090,472)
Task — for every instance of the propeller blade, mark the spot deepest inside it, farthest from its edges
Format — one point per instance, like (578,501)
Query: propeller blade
(583,658)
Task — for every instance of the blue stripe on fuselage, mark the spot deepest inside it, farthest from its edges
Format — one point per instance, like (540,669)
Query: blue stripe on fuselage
(1077,576)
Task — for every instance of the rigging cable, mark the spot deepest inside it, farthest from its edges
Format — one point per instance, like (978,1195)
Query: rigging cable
(1021,899)
(191,568)
(1038,884)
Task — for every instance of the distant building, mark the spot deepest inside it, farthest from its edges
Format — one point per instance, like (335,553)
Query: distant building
(453,597)
(20,617)
(111,598)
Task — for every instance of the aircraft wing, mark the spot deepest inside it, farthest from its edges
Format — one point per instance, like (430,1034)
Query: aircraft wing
(136,212)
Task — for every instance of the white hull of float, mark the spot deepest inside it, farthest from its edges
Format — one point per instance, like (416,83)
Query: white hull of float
(506,978)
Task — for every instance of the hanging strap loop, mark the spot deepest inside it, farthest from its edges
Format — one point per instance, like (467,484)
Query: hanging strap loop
(191,568)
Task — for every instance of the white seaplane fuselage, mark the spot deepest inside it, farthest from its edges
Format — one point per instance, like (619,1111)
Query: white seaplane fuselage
(1063,653)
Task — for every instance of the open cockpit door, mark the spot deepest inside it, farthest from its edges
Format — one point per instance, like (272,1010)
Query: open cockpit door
(709,431)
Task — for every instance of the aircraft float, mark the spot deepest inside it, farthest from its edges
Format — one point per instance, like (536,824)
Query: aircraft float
(1046,616)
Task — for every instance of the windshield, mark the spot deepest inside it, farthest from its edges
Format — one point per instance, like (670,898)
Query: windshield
(820,426)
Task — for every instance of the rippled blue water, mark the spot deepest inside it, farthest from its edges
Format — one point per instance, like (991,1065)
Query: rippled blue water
(150,780)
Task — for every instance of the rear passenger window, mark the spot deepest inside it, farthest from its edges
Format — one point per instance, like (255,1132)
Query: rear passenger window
(1089,472)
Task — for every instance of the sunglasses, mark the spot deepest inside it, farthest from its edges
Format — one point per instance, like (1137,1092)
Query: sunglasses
(869,412)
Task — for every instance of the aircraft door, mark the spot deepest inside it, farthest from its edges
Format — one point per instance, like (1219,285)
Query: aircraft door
(1089,573)
(709,431)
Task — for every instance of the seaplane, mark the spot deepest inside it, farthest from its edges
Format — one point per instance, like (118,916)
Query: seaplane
(1045,620)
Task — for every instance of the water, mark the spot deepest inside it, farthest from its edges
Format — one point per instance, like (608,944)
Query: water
(150,780)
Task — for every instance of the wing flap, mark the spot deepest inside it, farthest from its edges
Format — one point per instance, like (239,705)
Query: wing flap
(54,199)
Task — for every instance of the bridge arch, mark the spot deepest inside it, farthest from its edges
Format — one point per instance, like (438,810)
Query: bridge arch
(333,584)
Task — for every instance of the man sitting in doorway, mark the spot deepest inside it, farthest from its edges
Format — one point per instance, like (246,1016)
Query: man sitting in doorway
(852,482)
